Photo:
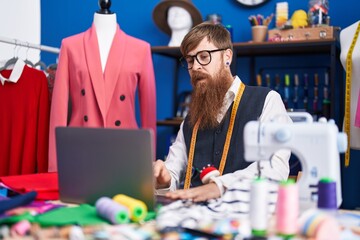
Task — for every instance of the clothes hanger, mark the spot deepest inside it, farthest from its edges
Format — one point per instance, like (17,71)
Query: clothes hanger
(27,61)
(40,64)
(12,60)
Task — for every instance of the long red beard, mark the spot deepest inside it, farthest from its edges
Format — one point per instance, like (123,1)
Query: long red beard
(207,97)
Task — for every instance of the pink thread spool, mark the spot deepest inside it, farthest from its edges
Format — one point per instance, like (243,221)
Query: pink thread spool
(21,228)
(318,225)
(287,209)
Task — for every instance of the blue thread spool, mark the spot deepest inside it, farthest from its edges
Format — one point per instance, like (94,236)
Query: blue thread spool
(327,194)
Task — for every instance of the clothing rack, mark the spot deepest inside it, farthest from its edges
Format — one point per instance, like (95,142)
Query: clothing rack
(29,45)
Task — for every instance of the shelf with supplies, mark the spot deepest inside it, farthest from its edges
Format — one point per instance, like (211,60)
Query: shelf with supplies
(328,47)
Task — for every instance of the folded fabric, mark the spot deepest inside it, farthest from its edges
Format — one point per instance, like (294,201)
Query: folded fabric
(16,201)
(45,184)
(234,204)
(81,215)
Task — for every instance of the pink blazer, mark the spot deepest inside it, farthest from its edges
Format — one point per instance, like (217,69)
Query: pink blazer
(97,99)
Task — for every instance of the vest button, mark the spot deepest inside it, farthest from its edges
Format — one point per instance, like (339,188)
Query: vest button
(117,123)
(122,97)
(86,118)
(83,92)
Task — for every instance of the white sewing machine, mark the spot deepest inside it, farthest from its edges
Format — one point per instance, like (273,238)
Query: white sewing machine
(316,144)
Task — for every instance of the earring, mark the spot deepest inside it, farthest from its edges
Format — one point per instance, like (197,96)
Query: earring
(227,63)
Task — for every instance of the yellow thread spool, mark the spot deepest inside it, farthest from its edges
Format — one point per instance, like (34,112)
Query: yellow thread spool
(137,208)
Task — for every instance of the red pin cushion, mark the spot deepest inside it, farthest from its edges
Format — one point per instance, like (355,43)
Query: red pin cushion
(207,173)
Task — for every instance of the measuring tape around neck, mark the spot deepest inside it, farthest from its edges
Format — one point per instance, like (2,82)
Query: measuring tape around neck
(348,94)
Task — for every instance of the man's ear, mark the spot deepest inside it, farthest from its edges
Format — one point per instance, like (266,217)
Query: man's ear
(228,54)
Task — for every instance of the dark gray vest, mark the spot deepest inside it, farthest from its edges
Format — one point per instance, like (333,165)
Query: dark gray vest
(210,142)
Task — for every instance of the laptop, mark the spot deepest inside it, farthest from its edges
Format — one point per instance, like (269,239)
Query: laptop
(96,162)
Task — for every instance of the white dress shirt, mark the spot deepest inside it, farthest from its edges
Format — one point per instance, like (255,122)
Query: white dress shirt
(177,158)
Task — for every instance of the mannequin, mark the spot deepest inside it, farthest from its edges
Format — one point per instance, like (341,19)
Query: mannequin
(346,38)
(180,23)
(105,25)
(99,72)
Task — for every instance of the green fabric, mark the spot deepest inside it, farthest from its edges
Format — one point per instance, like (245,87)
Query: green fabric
(17,218)
(81,215)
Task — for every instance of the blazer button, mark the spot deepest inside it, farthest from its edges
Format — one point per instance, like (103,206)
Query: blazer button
(122,97)
(83,92)
(86,118)
(117,123)
(218,131)
(217,152)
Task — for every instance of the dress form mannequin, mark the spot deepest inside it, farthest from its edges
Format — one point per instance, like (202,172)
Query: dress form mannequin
(180,23)
(105,24)
(346,38)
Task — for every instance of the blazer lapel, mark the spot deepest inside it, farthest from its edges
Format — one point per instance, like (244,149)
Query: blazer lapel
(93,61)
(114,64)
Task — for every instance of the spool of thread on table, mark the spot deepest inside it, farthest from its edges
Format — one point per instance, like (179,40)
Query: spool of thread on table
(316,224)
(287,209)
(327,194)
(21,228)
(259,207)
(137,208)
(112,211)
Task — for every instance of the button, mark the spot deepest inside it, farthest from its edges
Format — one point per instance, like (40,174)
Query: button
(217,152)
(86,118)
(117,123)
(122,97)
(83,92)
(218,131)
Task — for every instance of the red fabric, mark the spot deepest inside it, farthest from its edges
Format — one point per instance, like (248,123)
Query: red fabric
(24,123)
(45,184)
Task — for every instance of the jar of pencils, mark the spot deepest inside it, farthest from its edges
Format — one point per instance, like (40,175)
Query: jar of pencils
(259,27)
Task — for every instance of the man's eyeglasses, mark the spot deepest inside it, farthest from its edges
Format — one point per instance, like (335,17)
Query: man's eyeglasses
(202,57)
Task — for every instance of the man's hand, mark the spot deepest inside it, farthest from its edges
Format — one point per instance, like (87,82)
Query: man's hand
(161,174)
(197,194)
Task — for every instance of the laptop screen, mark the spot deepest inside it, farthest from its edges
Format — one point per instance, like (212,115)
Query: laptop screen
(96,162)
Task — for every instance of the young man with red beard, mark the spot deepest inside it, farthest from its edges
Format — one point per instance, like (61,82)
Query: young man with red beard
(212,132)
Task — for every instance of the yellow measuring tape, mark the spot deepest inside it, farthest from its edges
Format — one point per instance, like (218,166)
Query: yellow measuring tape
(227,140)
(348,94)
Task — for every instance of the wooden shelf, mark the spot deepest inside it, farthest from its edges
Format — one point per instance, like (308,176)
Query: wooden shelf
(284,48)
(264,48)
(170,122)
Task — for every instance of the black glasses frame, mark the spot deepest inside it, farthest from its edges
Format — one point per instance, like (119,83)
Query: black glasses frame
(186,65)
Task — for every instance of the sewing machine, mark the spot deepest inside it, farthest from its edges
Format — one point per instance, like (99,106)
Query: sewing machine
(316,144)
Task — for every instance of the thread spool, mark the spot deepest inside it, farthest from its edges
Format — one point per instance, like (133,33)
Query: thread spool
(259,207)
(287,209)
(112,211)
(21,228)
(137,208)
(327,194)
(316,224)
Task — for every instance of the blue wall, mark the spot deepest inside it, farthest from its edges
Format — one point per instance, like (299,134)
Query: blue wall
(67,17)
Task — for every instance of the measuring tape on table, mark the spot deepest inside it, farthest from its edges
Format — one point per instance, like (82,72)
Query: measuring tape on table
(348,94)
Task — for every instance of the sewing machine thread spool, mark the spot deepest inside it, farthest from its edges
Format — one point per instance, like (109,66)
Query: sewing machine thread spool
(112,211)
(327,194)
(259,207)
(287,209)
(137,208)
(316,224)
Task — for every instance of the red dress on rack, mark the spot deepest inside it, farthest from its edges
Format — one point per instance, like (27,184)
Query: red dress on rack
(24,122)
